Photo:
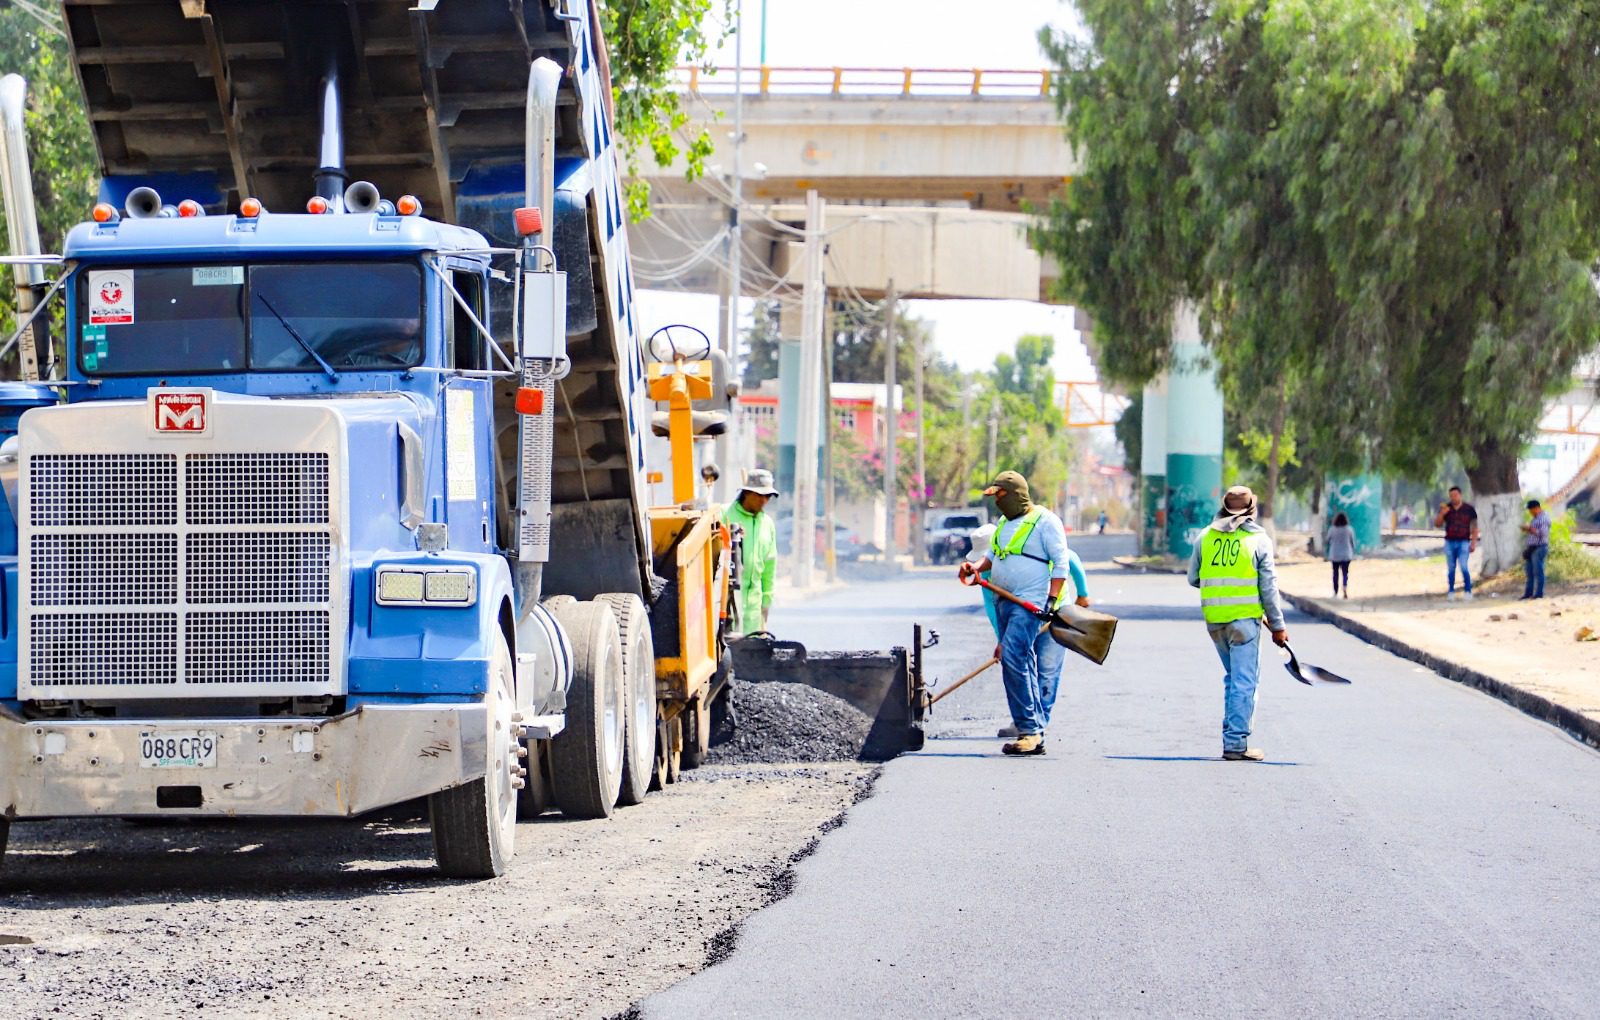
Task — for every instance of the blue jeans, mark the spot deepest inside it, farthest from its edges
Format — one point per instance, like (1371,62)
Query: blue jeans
(1239,647)
(1534,589)
(1456,550)
(1030,666)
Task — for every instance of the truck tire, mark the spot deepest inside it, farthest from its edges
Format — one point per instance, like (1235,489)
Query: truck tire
(475,824)
(639,673)
(586,757)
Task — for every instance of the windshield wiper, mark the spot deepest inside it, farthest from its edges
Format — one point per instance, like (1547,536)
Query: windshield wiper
(332,375)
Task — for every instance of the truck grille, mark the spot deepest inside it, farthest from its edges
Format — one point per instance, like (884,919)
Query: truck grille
(147,573)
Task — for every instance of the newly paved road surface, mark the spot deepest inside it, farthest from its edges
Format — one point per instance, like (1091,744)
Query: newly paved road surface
(1411,847)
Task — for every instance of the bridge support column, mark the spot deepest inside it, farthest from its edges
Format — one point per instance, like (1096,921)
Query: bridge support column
(1360,498)
(1153,469)
(1194,435)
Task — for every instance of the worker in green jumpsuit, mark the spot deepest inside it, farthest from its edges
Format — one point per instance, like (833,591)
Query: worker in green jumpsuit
(760,553)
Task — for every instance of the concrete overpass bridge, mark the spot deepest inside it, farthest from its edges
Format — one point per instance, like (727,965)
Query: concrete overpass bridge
(926,171)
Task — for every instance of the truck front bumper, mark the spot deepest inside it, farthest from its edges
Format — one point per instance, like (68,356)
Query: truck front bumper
(371,757)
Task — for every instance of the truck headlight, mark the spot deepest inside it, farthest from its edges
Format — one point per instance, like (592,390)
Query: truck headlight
(427,586)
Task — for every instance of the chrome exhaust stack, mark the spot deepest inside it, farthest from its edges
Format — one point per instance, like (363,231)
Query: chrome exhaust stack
(539,155)
(22,221)
(536,438)
(329,182)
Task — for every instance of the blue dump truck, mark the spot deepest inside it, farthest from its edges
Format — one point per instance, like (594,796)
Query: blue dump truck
(324,467)
(332,494)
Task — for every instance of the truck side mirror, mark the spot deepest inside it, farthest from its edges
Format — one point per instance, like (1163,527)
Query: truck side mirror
(544,319)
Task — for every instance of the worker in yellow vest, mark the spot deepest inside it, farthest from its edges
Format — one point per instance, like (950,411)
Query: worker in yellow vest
(1232,567)
(1027,557)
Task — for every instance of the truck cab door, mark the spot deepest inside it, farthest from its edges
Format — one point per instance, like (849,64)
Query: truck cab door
(468,410)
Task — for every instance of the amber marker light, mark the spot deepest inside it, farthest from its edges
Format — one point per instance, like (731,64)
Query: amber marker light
(318,205)
(408,205)
(105,212)
(189,208)
(250,208)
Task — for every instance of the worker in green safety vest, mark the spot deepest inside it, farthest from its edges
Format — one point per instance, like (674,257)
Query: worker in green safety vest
(1232,567)
(1027,557)
(759,555)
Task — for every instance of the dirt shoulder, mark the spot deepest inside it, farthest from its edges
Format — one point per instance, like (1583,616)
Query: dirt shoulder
(350,919)
(1530,646)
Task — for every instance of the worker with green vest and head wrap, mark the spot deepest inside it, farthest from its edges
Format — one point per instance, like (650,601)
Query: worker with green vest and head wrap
(1232,567)
(1027,557)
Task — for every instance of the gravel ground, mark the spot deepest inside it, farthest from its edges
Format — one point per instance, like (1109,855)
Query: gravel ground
(784,722)
(349,919)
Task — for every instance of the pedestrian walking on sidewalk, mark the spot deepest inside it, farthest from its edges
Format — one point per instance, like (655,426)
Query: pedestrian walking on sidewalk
(1535,549)
(759,555)
(1460,523)
(1232,567)
(1027,557)
(1341,546)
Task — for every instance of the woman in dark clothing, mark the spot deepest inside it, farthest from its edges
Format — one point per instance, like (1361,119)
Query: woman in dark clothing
(1341,550)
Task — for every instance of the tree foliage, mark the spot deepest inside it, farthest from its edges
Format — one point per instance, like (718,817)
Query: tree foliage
(647,40)
(1384,209)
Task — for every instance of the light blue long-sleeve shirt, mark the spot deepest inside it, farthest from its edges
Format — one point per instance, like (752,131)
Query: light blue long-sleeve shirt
(1080,584)
(1023,576)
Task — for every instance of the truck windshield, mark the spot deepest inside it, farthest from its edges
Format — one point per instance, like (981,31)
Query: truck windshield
(222,318)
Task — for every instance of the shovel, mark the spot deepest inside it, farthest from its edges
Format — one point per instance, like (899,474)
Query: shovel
(1309,674)
(1081,630)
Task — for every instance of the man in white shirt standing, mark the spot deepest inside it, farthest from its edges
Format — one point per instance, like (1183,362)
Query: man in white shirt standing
(1027,557)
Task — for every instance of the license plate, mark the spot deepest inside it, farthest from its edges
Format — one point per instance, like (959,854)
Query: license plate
(177,749)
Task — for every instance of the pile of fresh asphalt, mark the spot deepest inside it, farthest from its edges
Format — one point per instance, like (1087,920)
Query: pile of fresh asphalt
(775,722)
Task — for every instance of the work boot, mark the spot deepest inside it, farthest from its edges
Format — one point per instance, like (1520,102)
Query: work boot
(1027,744)
(1248,754)
(1006,732)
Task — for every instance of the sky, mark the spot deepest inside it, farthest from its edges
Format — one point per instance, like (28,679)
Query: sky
(908,33)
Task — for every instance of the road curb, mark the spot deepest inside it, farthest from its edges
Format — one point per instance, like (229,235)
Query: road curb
(1540,707)
(1129,563)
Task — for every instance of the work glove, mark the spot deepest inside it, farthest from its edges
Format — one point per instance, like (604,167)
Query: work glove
(1048,613)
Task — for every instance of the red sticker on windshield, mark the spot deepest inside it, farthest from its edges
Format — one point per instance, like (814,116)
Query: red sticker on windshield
(110,298)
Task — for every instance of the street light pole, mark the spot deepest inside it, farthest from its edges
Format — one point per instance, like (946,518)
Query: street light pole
(810,397)
(994,432)
(891,427)
(919,551)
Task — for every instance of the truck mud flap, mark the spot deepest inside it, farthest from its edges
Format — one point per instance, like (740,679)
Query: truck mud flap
(885,685)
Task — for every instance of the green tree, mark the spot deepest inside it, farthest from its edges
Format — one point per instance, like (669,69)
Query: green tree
(1384,209)
(61,149)
(647,40)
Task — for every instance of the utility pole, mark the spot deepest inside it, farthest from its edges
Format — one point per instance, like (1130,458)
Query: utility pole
(810,397)
(726,445)
(830,549)
(891,427)
(994,431)
(919,550)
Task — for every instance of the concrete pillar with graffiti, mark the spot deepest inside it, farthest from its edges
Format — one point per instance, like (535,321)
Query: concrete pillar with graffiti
(1194,435)
(1360,498)
(1153,468)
